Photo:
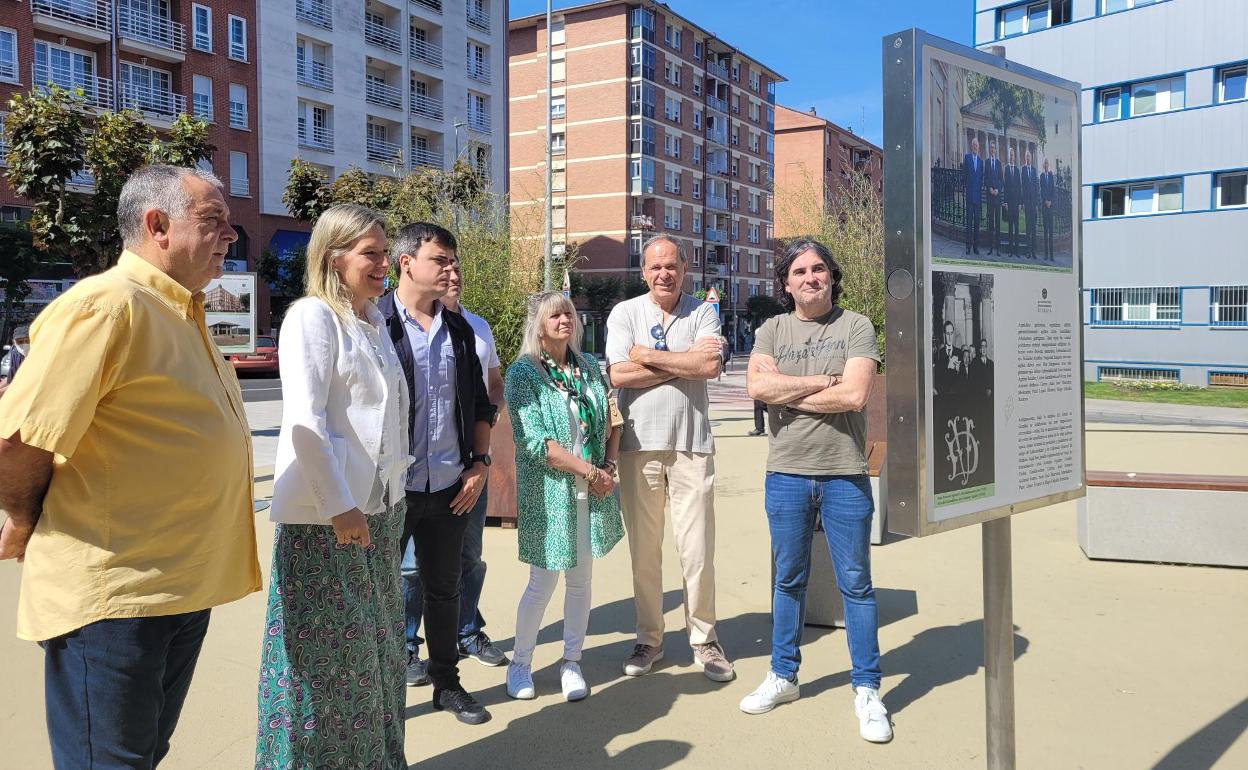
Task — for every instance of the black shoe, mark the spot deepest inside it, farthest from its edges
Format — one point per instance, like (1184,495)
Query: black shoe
(417,670)
(460,703)
(755,433)
(482,650)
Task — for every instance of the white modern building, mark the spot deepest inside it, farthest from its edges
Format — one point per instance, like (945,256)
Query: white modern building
(387,86)
(1165,168)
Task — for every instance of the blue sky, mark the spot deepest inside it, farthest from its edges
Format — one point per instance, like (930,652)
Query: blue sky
(828,49)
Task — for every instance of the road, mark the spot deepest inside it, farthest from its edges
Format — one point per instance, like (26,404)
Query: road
(258,388)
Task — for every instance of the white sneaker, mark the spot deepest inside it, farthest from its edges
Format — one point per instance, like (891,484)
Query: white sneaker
(574,686)
(772,692)
(520,681)
(873,724)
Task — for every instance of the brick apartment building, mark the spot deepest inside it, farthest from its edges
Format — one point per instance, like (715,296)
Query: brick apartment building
(161,57)
(814,153)
(658,127)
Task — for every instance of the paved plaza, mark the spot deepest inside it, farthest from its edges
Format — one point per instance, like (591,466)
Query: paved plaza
(1119,665)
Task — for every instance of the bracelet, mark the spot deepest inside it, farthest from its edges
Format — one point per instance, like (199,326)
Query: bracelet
(591,473)
(612,464)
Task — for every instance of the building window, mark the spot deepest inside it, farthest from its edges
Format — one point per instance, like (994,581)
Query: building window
(671,109)
(1032,17)
(315,127)
(1110,103)
(558,142)
(238,106)
(695,189)
(558,179)
(736,71)
(671,181)
(642,61)
(558,107)
(559,214)
(697,49)
(1232,190)
(697,120)
(697,155)
(1149,305)
(1155,96)
(558,70)
(641,174)
(643,24)
(201,99)
(643,138)
(1231,83)
(671,72)
(557,34)
(753,263)
(697,85)
(671,217)
(201,27)
(238,38)
(239,184)
(1161,196)
(8,54)
(1113,6)
(1136,374)
(1228,305)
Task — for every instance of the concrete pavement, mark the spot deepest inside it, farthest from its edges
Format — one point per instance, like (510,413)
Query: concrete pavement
(1118,665)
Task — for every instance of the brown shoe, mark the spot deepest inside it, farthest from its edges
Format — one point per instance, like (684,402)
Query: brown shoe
(711,659)
(642,660)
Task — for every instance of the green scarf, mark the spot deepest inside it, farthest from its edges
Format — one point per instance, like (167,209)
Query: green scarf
(577,386)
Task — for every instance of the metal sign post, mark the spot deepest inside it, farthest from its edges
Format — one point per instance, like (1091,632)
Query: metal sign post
(983,264)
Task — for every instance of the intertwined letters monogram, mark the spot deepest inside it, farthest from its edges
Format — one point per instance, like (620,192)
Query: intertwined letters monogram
(962,449)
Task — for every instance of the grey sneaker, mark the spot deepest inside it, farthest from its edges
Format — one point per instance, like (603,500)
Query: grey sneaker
(482,650)
(642,660)
(417,670)
(711,659)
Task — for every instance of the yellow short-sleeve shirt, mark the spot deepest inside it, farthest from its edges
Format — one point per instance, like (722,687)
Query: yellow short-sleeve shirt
(149,509)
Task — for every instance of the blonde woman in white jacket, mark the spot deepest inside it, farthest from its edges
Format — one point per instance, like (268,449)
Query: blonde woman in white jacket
(332,668)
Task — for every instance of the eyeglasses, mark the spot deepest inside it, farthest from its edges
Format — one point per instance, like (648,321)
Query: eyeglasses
(660,336)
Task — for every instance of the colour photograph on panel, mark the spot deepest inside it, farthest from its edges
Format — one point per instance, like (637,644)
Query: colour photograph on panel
(964,386)
(1002,187)
(229,310)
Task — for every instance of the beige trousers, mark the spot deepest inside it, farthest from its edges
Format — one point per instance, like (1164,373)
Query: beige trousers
(649,482)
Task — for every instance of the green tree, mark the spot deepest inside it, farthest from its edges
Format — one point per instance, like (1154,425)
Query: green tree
(1007,103)
(851,225)
(19,261)
(52,139)
(635,287)
(759,308)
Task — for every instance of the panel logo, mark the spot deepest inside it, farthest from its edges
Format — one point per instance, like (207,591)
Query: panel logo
(1044,304)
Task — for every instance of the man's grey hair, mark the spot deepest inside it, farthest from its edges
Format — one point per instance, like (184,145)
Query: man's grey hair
(155,187)
(662,238)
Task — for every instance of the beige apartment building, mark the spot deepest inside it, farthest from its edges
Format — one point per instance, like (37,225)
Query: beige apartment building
(814,155)
(657,126)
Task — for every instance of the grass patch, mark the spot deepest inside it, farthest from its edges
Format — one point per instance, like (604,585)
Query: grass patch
(1233,397)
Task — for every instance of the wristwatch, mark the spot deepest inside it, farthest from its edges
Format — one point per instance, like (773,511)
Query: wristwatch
(485,458)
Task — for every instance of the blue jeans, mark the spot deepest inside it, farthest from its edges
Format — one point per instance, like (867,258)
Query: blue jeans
(471,580)
(114,689)
(844,503)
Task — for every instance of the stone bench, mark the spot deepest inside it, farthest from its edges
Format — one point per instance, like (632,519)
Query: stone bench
(1165,517)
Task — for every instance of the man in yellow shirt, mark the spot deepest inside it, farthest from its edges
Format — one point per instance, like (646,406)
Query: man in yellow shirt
(126,472)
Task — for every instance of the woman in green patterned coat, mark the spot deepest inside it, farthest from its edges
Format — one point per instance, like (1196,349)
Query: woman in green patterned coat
(565,481)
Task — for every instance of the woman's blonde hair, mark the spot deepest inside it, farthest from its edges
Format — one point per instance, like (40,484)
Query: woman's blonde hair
(542,306)
(334,233)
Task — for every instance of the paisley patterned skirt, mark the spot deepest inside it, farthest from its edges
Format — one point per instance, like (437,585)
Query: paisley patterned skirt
(332,689)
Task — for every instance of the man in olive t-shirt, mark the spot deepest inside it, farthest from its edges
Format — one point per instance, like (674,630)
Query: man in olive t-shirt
(814,367)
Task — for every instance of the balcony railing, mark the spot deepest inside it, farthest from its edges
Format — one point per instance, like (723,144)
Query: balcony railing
(715,267)
(716,70)
(382,36)
(383,95)
(240,187)
(717,201)
(479,121)
(94,14)
(318,13)
(479,71)
(151,29)
(426,106)
(719,137)
(716,236)
(315,74)
(715,103)
(97,91)
(316,137)
(238,115)
(381,151)
(150,101)
(423,158)
(433,5)
(479,19)
(82,178)
(424,51)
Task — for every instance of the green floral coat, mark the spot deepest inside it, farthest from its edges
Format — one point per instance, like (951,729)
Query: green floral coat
(545,497)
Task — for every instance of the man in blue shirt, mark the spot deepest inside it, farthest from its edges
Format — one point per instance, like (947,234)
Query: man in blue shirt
(973,171)
(450,422)
(13,359)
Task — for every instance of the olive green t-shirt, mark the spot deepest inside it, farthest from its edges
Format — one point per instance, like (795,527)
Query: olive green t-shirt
(805,443)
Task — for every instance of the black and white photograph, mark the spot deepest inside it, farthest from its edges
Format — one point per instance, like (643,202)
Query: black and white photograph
(963,385)
(1002,186)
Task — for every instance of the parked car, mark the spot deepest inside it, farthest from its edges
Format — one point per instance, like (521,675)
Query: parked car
(264,360)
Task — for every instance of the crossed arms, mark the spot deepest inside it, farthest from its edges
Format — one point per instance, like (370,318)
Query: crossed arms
(818,393)
(647,367)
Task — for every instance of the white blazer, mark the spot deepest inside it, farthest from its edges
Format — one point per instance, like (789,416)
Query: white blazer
(335,405)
